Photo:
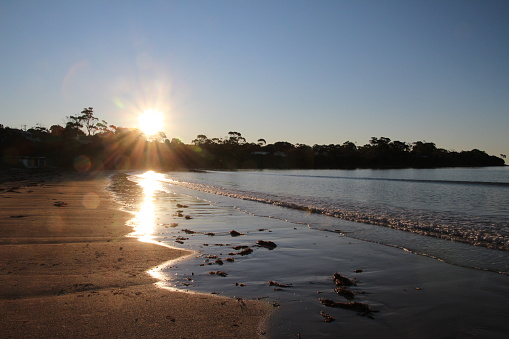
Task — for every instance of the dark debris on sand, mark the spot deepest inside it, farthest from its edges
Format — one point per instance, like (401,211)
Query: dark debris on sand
(361,308)
(340,280)
(219,273)
(326,317)
(345,292)
(341,289)
(267,244)
(234,233)
(275,283)
(246,251)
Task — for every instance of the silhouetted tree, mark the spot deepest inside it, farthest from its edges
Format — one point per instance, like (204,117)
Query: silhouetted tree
(57,130)
(201,139)
(235,138)
(89,120)
(425,149)
(111,147)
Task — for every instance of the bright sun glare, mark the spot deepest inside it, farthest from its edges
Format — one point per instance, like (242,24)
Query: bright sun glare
(150,122)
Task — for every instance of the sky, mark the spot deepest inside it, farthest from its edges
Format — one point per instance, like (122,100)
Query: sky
(310,72)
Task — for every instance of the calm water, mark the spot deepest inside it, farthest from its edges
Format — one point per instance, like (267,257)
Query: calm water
(321,221)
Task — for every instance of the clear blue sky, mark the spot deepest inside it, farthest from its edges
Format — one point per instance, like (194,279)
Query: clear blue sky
(312,72)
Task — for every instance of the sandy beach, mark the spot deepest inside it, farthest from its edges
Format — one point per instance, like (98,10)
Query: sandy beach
(67,269)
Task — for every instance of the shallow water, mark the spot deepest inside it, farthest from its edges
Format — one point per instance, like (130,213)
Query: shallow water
(465,205)
(470,205)
(310,248)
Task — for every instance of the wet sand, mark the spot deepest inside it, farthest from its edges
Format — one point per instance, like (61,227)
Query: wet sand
(67,269)
(397,294)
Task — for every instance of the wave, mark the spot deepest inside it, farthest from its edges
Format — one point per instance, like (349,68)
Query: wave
(467,229)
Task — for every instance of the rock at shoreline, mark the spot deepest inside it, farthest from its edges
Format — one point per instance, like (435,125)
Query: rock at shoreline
(234,233)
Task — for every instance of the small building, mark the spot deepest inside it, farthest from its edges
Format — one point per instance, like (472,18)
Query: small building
(27,161)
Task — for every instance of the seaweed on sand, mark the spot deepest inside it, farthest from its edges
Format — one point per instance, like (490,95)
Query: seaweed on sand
(267,244)
(219,273)
(326,317)
(345,292)
(361,308)
(340,280)
(275,283)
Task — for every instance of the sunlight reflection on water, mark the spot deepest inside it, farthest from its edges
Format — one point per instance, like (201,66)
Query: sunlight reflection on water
(144,222)
(146,226)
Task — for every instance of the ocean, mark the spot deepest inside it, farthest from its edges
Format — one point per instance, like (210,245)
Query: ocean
(295,228)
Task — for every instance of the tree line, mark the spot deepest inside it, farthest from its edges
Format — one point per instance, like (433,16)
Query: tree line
(86,143)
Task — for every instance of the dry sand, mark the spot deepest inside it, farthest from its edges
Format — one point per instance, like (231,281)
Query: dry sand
(70,271)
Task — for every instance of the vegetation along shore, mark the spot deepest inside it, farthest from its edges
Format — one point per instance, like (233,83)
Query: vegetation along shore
(86,143)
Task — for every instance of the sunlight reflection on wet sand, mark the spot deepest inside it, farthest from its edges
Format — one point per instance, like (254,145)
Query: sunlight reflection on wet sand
(144,222)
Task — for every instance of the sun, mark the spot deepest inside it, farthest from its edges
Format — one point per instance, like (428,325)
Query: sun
(150,122)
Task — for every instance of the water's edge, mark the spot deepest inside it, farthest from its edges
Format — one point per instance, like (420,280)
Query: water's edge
(208,232)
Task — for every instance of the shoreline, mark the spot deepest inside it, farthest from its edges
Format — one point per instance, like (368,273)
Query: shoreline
(447,300)
(69,269)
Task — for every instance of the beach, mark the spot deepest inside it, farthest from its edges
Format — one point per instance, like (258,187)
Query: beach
(68,269)
(72,268)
